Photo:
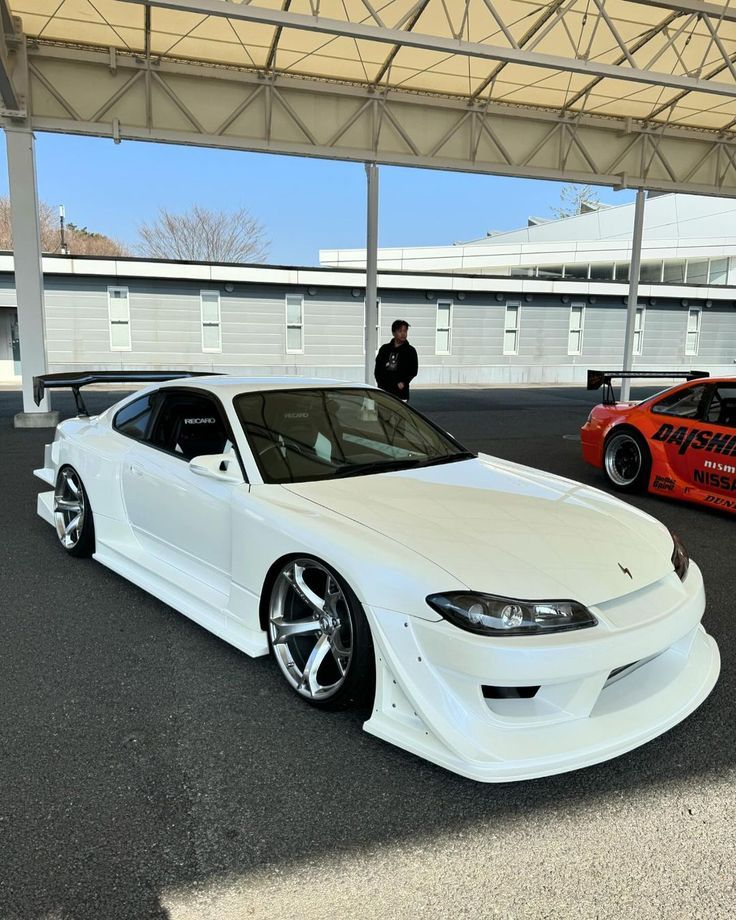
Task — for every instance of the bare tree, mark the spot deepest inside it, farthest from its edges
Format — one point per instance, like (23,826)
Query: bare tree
(203,235)
(573,199)
(79,241)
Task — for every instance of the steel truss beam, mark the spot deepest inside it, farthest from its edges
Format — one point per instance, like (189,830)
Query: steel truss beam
(89,92)
(376,31)
(10,38)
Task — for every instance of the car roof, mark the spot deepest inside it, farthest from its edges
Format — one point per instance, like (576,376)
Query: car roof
(227,386)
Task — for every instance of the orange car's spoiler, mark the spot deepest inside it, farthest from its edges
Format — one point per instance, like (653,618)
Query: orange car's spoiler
(597,379)
(73,380)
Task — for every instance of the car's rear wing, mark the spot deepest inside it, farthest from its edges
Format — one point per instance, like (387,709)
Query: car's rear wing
(597,379)
(74,380)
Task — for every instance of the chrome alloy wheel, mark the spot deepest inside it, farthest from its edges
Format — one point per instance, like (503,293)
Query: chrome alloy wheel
(69,509)
(311,629)
(623,459)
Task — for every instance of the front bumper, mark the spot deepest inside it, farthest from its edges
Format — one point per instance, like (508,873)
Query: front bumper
(601,692)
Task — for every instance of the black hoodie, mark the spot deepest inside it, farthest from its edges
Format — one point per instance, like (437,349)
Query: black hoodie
(394,366)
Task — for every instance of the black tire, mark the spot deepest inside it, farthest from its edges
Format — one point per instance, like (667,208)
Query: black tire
(75,526)
(319,636)
(627,460)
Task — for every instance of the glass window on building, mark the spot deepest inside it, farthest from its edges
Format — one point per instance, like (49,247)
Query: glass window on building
(511,329)
(522,271)
(693,331)
(577,272)
(718,271)
(443,339)
(639,331)
(551,272)
(697,271)
(650,272)
(294,324)
(601,271)
(210,313)
(575,338)
(674,272)
(622,271)
(119,317)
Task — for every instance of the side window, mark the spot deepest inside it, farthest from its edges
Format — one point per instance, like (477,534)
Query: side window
(722,408)
(189,425)
(132,420)
(684,403)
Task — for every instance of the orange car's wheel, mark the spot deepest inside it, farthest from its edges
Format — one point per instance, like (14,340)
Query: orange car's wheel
(627,460)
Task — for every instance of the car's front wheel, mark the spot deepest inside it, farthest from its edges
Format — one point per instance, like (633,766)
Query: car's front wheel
(319,635)
(627,460)
(72,514)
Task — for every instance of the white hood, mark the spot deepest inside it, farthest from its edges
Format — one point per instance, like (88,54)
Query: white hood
(507,529)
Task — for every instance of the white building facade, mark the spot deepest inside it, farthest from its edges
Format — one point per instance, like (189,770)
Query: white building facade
(538,305)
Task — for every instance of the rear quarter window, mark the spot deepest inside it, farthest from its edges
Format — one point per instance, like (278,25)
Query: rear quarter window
(683,403)
(132,420)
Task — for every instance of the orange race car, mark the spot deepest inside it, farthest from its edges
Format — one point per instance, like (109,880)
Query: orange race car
(680,443)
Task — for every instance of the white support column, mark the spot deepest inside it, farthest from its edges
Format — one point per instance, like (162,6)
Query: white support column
(633,291)
(28,273)
(371,272)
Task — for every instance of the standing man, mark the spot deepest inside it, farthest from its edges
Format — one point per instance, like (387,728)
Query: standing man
(396,362)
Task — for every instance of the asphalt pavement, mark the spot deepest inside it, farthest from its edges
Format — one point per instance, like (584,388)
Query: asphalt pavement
(149,770)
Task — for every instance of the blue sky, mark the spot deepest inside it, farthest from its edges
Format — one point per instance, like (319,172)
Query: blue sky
(305,204)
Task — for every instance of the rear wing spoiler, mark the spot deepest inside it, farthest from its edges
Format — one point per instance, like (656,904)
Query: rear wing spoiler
(597,379)
(74,380)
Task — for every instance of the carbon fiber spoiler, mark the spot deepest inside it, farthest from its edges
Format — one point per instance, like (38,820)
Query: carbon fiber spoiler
(74,380)
(597,379)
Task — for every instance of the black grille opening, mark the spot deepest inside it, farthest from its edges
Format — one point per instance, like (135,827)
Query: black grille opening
(509,693)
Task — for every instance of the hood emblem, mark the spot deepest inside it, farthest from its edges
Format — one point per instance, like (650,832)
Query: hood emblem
(626,571)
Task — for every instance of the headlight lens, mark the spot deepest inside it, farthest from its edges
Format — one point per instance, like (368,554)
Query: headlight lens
(680,558)
(489,615)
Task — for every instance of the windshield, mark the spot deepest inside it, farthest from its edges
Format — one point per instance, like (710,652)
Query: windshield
(305,434)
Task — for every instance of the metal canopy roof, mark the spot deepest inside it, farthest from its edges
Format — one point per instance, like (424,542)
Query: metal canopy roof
(609,91)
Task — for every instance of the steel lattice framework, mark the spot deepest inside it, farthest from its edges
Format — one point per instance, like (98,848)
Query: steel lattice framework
(602,91)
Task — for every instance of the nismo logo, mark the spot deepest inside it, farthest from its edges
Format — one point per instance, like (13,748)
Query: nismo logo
(696,439)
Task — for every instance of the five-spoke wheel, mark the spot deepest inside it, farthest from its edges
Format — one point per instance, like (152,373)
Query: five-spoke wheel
(319,635)
(627,461)
(72,514)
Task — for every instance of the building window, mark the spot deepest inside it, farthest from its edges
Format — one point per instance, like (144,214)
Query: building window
(511,329)
(119,313)
(622,271)
(602,271)
(697,272)
(294,324)
(575,339)
(692,337)
(674,272)
(718,271)
(650,272)
(443,340)
(639,331)
(577,272)
(209,302)
(549,271)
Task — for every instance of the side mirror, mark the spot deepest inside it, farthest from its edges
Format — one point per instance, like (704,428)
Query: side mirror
(223,467)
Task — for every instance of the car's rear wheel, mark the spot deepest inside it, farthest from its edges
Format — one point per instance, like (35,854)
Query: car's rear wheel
(627,460)
(319,635)
(72,514)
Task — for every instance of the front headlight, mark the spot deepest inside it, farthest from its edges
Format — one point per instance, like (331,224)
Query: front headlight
(489,615)
(680,558)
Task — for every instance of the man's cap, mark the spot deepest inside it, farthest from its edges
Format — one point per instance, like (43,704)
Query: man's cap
(398,323)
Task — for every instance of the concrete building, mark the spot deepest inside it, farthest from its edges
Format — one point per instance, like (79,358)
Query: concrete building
(539,304)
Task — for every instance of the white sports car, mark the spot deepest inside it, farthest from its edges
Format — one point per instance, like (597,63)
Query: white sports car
(499,621)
